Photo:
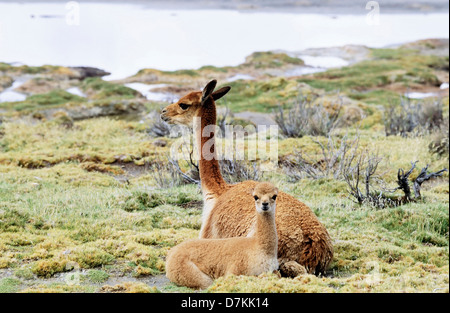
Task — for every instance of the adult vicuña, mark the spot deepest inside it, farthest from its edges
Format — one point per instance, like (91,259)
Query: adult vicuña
(303,242)
(196,263)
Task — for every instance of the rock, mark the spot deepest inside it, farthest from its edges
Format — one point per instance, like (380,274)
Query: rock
(351,115)
(160,143)
(350,111)
(40,85)
(120,107)
(123,158)
(350,53)
(257,118)
(176,90)
(63,119)
(434,46)
(85,72)
(271,59)
(66,115)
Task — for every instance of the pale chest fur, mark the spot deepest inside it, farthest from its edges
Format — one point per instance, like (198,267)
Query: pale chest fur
(264,264)
(208,205)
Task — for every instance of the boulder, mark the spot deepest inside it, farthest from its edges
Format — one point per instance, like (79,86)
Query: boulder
(83,72)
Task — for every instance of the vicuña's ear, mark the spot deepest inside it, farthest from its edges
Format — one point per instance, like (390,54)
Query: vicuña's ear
(220,92)
(209,88)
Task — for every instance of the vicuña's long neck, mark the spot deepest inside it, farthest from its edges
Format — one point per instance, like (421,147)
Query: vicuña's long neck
(266,232)
(213,184)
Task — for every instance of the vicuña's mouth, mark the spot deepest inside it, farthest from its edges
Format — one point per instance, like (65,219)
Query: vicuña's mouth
(164,118)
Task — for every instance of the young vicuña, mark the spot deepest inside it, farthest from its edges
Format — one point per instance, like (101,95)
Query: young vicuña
(196,263)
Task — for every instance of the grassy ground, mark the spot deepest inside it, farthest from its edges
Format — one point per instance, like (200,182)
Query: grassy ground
(62,219)
(81,210)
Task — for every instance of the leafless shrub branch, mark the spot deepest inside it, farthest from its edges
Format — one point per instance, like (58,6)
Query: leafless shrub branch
(439,144)
(365,170)
(234,171)
(221,120)
(191,179)
(424,176)
(334,158)
(165,175)
(307,118)
(403,181)
(156,126)
(413,118)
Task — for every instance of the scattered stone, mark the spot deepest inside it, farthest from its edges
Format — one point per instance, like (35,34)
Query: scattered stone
(85,72)
(160,143)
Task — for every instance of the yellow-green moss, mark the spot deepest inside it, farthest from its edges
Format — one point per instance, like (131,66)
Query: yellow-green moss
(129,287)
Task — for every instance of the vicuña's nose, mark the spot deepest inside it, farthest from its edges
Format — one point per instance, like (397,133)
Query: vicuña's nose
(163,116)
(265,206)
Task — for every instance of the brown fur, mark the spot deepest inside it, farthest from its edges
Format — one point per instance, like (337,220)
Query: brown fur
(196,263)
(212,181)
(301,237)
(303,242)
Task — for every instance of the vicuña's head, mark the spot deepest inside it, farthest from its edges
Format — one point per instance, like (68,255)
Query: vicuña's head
(265,195)
(184,111)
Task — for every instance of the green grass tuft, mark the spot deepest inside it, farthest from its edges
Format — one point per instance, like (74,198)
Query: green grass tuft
(97,276)
(9,285)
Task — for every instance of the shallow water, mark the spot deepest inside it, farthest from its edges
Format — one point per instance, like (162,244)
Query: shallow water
(303,70)
(146,91)
(76,91)
(420,95)
(9,95)
(240,76)
(424,95)
(323,61)
(124,38)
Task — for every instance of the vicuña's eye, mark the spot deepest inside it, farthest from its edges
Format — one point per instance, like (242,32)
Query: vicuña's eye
(274,197)
(256,198)
(184,106)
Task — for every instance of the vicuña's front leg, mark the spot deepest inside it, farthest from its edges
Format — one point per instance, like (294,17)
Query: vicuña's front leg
(291,268)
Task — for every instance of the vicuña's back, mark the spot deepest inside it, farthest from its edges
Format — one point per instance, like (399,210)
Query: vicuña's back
(196,263)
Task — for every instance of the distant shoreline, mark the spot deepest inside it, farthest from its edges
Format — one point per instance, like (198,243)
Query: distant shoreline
(355,7)
(126,37)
